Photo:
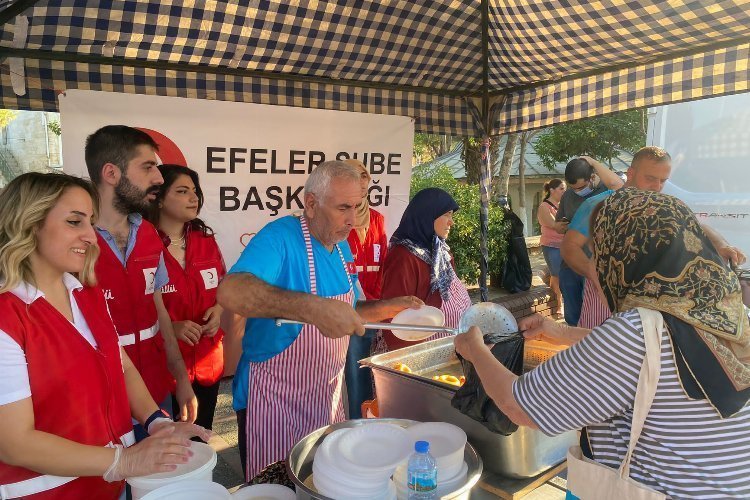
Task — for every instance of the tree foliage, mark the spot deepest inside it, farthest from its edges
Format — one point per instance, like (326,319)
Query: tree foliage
(7,116)
(427,147)
(464,236)
(602,138)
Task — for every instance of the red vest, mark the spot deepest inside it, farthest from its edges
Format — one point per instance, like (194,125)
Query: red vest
(78,392)
(370,255)
(189,293)
(130,297)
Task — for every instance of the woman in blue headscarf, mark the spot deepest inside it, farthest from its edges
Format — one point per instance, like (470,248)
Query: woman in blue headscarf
(419,261)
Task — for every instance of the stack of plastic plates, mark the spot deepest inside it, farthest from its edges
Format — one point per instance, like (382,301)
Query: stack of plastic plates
(357,463)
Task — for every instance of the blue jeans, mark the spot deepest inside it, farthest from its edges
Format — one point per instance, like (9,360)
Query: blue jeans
(571,287)
(358,380)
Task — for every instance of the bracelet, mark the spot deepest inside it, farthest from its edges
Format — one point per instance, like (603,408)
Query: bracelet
(109,474)
(158,414)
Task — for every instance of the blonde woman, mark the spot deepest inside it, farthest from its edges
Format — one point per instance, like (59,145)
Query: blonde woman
(67,390)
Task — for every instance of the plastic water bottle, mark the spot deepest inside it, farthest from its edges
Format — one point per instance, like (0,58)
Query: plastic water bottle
(421,474)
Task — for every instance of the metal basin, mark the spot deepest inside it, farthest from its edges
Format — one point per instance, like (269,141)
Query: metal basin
(525,453)
(300,460)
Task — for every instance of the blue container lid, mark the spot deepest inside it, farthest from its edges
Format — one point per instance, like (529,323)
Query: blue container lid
(421,446)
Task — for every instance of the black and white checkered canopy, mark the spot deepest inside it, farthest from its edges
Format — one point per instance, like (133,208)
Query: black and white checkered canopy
(542,61)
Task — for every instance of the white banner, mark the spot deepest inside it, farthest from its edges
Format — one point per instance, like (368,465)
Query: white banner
(252,159)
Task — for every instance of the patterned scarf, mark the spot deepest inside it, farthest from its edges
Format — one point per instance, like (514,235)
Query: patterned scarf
(416,233)
(650,251)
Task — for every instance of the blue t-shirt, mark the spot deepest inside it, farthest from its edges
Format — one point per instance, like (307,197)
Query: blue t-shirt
(581,220)
(277,255)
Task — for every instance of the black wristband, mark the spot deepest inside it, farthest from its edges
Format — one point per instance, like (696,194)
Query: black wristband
(157,414)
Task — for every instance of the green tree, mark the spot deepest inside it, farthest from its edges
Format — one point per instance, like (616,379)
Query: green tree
(602,138)
(7,116)
(464,236)
(427,147)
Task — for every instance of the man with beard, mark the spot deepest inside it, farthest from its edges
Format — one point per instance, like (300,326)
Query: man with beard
(121,162)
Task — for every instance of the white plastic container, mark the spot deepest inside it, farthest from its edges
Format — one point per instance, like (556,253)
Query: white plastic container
(189,490)
(199,468)
(264,492)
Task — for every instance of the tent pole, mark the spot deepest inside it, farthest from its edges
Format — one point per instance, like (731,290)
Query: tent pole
(485,172)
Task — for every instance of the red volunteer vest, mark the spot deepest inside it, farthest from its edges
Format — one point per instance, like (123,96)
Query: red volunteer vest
(129,291)
(189,293)
(370,255)
(78,392)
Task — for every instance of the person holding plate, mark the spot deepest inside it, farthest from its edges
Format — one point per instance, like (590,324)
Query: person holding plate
(419,261)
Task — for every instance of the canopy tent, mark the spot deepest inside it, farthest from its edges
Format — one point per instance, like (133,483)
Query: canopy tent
(458,67)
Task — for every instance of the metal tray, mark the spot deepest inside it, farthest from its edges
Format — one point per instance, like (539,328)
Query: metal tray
(525,453)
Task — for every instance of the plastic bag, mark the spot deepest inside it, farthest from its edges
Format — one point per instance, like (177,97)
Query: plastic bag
(472,400)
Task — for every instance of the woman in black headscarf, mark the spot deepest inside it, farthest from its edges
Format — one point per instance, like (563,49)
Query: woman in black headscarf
(419,260)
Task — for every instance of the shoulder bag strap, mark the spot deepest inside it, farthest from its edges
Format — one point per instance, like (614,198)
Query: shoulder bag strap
(653,323)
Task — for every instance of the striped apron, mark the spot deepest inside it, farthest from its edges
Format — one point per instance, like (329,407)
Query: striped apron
(298,390)
(454,307)
(594,311)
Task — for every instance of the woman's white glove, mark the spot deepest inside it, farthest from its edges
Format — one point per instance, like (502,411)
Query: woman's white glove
(168,445)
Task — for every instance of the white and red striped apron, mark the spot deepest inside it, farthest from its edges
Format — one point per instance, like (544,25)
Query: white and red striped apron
(298,390)
(454,307)
(594,311)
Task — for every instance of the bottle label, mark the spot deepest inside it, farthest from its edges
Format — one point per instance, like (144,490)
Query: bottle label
(422,481)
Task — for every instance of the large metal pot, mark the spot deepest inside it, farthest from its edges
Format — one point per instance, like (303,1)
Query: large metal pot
(300,460)
(525,453)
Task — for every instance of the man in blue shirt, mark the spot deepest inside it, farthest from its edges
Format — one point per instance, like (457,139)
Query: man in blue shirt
(288,380)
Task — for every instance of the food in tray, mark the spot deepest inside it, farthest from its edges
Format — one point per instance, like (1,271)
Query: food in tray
(402,368)
(450,379)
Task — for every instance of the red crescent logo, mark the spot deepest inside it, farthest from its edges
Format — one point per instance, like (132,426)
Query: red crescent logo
(168,150)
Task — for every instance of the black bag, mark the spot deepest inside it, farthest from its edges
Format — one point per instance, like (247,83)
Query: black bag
(517,266)
(472,400)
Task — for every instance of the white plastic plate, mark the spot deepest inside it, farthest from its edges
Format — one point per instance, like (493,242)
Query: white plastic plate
(424,316)
(374,447)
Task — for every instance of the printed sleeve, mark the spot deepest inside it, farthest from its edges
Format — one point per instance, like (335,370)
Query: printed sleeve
(588,383)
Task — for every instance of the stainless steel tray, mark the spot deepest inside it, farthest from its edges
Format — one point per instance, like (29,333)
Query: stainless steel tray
(525,453)
(300,459)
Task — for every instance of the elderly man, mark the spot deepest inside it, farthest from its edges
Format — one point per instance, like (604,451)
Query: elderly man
(649,171)
(288,381)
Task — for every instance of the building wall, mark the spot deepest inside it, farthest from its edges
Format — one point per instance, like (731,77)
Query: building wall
(534,194)
(29,144)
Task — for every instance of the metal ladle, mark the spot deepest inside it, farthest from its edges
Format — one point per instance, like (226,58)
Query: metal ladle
(488,316)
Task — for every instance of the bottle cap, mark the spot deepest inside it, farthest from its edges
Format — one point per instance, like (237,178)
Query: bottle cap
(421,446)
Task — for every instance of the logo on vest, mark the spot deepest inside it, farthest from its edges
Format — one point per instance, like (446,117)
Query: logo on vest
(351,268)
(376,252)
(149,275)
(210,278)
(169,288)
(108,295)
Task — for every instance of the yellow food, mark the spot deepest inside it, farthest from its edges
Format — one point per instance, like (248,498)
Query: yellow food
(450,379)
(402,368)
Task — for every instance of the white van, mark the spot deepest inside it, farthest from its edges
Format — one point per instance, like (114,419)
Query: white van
(709,141)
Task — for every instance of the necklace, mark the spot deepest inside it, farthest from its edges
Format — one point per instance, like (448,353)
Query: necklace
(177,242)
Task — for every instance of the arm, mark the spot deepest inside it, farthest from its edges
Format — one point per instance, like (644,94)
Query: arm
(251,297)
(184,392)
(732,254)
(572,252)
(608,177)
(23,446)
(544,216)
(538,327)
(378,310)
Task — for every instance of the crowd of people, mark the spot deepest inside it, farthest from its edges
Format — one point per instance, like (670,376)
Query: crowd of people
(112,292)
